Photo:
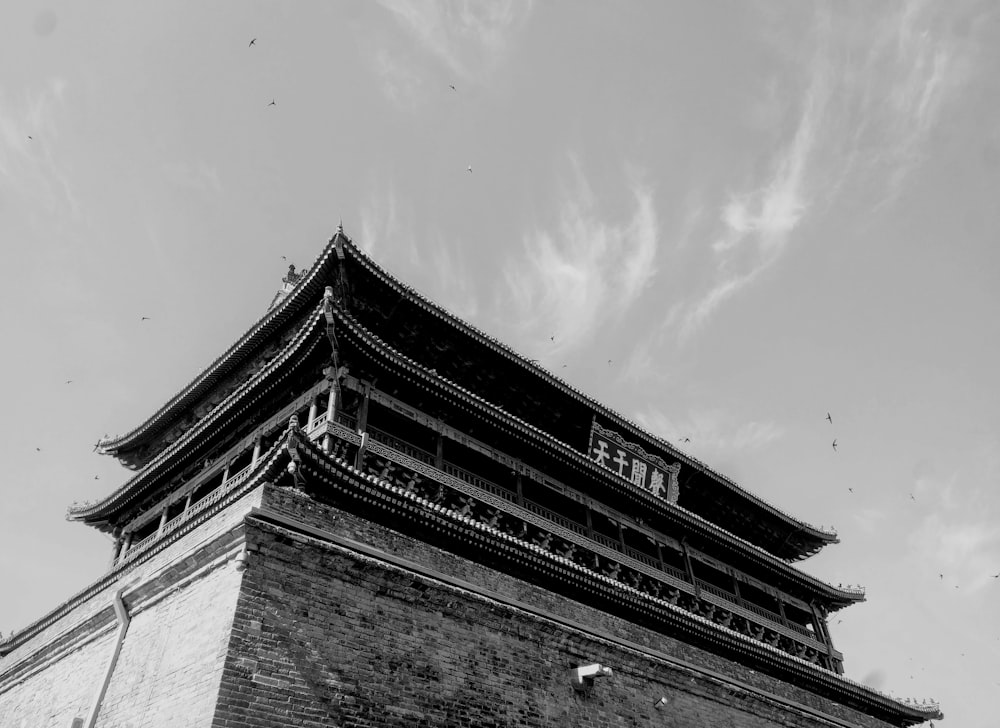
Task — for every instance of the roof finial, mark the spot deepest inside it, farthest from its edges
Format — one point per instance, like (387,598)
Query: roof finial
(340,227)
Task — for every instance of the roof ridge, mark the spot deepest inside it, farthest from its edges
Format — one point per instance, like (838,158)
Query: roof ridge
(285,309)
(377,344)
(81,510)
(829,534)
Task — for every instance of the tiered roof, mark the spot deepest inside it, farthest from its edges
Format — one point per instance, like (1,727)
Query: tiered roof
(483,367)
(455,362)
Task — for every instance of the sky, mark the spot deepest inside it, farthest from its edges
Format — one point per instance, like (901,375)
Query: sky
(722,220)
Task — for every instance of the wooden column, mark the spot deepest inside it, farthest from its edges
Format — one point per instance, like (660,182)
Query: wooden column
(590,525)
(126,544)
(332,403)
(187,502)
(690,569)
(520,491)
(736,590)
(439,452)
(313,411)
(116,550)
(225,472)
(363,414)
(163,522)
(256,451)
(781,610)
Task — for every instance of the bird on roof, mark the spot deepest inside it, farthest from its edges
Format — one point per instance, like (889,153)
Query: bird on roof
(829,418)
(252,41)
(834,445)
(686,439)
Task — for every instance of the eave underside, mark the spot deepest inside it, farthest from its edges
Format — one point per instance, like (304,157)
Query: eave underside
(421,331)
(441,342)
(470,527)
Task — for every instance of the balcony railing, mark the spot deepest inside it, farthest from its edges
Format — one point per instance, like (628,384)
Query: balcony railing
(775,620)
(317,426)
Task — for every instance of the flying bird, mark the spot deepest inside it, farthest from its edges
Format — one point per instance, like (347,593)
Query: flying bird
(38,449)
(552,338)
(29,137)
(940,576)
(911,497)
(97,477)
(252,42)
(829,418)
(834,445)
(686,439)
(273,103)
(609,362)
(996,576)
(284,258)
(144,318)
(851,489)
(69,381)
(452,87)
(469,168)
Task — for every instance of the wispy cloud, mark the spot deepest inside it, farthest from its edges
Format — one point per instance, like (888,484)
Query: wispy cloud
(469,37)
(959,532)
(566,282)
(380,222)
(454,285)
(711,431)
(29,164)
(401,84)
(914,66)
(756,223)
(199,177)
(873,92)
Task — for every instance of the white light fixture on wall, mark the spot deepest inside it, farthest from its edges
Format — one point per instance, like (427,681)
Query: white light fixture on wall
(583,677)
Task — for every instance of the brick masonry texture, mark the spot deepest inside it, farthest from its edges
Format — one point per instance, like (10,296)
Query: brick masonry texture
(171,659)
(324,635)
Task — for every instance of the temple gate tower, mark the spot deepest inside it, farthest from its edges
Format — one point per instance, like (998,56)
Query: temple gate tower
(367,512)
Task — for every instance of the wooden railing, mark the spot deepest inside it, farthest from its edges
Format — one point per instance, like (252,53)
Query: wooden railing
(318,425)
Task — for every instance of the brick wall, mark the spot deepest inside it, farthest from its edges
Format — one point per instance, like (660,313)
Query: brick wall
(326,634)
(181,607)
(171,659)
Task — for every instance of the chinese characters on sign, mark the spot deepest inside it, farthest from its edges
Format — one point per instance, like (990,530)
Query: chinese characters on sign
(628,460)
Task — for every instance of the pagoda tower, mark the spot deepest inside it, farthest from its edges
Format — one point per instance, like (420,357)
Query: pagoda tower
(367,512)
